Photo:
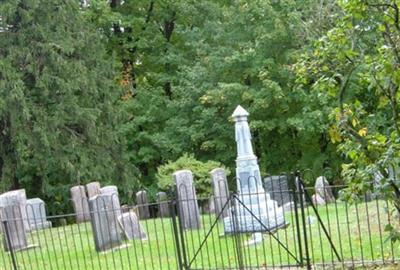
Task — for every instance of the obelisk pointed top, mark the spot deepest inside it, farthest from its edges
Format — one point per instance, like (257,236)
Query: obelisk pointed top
(239,111)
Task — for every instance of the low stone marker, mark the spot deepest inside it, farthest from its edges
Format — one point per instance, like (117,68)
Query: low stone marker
(323,189)
(278,188)
(162,201)
(36,211)
(130,226)
(317,200)
(105,228)
(93,189)
(115,207)
(220,191)
(12,214)
(143,204)
(80,203)
(16,197)
(187,199)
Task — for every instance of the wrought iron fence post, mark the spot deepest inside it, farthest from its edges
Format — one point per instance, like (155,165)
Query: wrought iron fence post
(178,230)
(299,187)
(8,240)
(236,234)
(296,215)
(172,210)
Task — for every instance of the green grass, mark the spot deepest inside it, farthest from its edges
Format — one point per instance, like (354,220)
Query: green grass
(72,247)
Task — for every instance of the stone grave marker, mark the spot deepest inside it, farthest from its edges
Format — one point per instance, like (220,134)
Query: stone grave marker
(131,227)
(278,188)
(115,206)
(323,189)
(80,203)
(16,197)
(143,204)
(104,224)
(11,213)
(162,201)
(317,200)
(187,199)
(220,191)
(35,209)
(93,189)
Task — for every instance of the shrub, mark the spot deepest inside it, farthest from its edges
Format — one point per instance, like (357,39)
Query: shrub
(201,173)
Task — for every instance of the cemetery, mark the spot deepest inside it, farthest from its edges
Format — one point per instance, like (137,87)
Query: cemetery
(275,221)
(199,135)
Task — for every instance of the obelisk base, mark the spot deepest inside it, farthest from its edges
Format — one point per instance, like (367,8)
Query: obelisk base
(254,213)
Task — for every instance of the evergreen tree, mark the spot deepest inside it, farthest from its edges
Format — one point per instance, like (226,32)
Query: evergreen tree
(59,112)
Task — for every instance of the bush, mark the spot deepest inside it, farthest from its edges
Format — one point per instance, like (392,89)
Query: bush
(201,173)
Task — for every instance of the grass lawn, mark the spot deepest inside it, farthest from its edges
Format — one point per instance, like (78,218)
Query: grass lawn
(356,239)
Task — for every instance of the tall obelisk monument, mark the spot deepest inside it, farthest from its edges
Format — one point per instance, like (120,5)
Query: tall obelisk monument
(247,169)
(254,211)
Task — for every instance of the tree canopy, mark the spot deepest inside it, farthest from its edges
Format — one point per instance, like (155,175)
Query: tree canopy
(59,109)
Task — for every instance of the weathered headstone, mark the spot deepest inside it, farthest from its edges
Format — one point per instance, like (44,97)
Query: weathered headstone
(115,207)
(162,201)
(16,197)
(93,189)
(80,203)
(278,188)
(143,204)
(187,199)
(317,200)
(36,211)
(131,227)
(105,228)
(220,191)
(323,189)
(12,215)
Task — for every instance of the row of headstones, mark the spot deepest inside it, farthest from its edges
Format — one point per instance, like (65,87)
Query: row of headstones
(110,226)
(279,190)
(20,215)
(80,198)
(110,222)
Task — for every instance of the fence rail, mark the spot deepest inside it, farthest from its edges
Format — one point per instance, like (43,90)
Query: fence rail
(333,235)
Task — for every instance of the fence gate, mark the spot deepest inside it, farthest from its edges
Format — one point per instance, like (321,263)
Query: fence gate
(209,247)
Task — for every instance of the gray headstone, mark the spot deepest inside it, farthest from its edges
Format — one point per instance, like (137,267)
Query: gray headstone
(105,228)
(93,189)
(278,188)
(187,199)
(35,209)
(162,201)
(16,197)
(130,226)
(15,227)
(220,191)
(143,204)
(323,189)
(80,203)
(113,192)
(318,200)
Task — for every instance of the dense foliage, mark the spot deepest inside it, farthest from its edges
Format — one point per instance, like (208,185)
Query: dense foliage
(188,64)
(354,72)
(201,173)
(59,112)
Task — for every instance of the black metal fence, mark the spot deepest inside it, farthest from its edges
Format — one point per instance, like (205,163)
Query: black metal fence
(315,235)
